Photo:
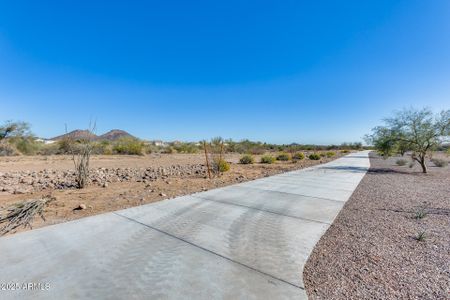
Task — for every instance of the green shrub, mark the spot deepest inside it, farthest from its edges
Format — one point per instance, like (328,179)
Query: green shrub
(247,159)
(267,159)
(223,165)
(401,162)
(322,154)
(441,163)
(186,148)
(345,151)
(103,147)
(27,146)
(330,153)
(298,156)
(168,150)
(129,146)
(283,157)
(314,156)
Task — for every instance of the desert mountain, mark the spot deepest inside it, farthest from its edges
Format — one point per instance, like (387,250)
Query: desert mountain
(78,134)
(115,134)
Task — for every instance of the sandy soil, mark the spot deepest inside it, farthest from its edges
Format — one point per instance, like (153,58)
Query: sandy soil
(119,195)
(372,249)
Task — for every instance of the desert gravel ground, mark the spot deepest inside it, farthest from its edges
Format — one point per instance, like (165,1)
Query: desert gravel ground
(372,252)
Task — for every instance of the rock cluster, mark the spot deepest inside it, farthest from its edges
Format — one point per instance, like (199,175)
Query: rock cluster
(21,182)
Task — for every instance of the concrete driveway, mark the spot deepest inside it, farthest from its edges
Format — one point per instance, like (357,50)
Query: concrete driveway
(246,241)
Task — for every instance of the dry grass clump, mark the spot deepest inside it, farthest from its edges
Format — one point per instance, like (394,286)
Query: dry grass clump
(267,159)
(438,162)
(247,160)
(298,156)
(401,162)
(284,157)
(330,154)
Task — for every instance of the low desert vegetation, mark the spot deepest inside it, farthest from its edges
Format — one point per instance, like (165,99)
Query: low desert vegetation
(420,213)
(16,138)
(298,156)
(420,237)
(247,159)
(223,166)
(130,146)
(267,159)
(331,154)
(438,162)
(283,157)
(314,156)
(401,162)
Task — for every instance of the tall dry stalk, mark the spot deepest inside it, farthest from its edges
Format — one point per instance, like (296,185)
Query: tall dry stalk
(81,150)
(214,156)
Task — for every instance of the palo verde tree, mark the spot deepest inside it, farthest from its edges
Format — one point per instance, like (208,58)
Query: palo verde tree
(419,131)
(14,129)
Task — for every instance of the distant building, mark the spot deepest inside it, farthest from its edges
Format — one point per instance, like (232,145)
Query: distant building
(160,143)
(46,142)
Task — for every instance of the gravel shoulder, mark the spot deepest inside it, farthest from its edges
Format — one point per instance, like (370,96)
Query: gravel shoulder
(372,249)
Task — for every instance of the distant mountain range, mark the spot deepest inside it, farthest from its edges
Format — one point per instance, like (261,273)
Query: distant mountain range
(78,134)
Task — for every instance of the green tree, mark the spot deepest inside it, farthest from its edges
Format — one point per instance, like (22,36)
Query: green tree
(14,129)
(421,130)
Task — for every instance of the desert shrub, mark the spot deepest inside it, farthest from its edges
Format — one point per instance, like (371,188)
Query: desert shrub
(65,145)
(345,151)
(298,156)
(401,162)
(420,236)
(247,159)
(103,147)
(283,157)
(186,148)
(314,156)
(441,163)
(223,165)
(267,159)
(448,152)
(322,154)
(130,146)
(330,153)
(50,149)
(411,164)
(7,149)
(26,146)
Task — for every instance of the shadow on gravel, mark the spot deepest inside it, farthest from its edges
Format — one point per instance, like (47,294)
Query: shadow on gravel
(431,211)
(387,171)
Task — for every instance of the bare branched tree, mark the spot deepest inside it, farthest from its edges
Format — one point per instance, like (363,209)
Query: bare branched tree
(81,149)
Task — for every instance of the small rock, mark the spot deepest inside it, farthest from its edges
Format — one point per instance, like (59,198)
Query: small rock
(81,207)
(105,184)
(162,195)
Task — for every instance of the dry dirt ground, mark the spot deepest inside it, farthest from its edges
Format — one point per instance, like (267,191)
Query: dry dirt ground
(122,191)
(373,249)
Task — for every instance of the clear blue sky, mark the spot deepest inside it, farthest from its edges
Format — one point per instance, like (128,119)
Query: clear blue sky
(276,71)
